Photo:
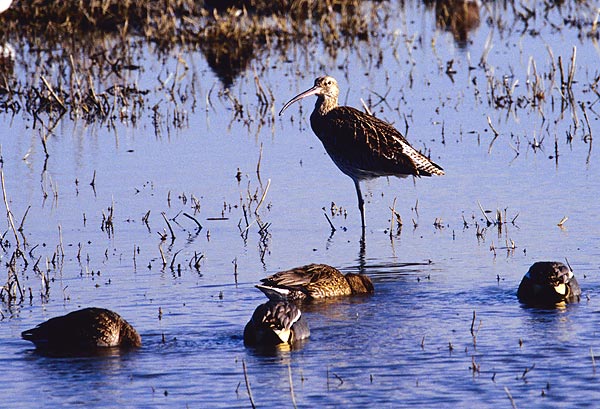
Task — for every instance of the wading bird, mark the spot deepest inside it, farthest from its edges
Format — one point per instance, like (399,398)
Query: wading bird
(84,330)
(548,283)
(361,145)
(314,281)
(275,322)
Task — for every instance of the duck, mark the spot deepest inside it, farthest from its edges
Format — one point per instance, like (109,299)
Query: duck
(549,283)
(314,281)
(87,329)
(274,323)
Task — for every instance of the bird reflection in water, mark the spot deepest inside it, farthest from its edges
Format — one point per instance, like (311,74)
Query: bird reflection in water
(458,17)
(7,51)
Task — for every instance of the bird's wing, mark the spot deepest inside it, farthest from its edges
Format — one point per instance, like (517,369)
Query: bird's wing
(375,144)
(296,277)
(281,314)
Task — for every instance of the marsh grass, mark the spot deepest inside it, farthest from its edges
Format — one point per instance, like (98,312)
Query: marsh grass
(80,54)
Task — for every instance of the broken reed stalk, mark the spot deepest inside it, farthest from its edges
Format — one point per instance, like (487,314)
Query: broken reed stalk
(262,197)
(496,134)
(259,159)
(44,145)
(593,361)
(18,252)
(367,110)
(330,223)
(572,68)
(593,32)
(489,223)
(172,265)
(393,209)
(194,219)
(512,401)
(587,121)
(292,386)
(93,182)
(56,98)
(162,254)
(168,225)
(248,385)
(23,219)
(8,212)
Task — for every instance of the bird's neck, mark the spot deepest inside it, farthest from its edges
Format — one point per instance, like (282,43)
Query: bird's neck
(325,104)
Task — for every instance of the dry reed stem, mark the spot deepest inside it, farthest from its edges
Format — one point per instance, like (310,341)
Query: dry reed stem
(262,197)
(291,386)
(248,385)
(512,401)
(168,225)
(330,223)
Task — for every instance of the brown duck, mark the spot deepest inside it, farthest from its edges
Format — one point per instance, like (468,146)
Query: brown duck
(314,281)
(84,330)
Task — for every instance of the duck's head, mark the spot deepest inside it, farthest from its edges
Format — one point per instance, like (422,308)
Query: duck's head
(360,283)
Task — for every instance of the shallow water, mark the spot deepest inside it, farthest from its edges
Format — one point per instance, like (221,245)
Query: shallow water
(408,344)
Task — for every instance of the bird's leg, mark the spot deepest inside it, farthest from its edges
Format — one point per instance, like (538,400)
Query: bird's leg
(361,202)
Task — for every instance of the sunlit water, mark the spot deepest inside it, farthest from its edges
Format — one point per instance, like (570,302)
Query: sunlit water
(443,328)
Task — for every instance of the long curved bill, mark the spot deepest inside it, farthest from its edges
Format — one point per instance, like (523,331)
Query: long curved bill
(313,91)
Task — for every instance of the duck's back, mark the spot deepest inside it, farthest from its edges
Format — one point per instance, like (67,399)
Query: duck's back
(84,329)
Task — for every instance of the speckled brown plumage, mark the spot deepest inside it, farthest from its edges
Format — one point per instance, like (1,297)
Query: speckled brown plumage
(314,281)
(275,322)
(86,329)
(361,145)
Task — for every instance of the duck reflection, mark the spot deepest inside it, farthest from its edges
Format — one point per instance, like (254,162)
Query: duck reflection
(458,17)
(549,284)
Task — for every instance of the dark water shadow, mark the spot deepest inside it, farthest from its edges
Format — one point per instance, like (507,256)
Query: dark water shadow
(82,353)
(280,351)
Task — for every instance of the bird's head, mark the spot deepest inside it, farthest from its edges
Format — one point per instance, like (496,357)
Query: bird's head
(325,88)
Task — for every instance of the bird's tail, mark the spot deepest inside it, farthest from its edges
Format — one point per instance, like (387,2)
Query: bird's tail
(423,165)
